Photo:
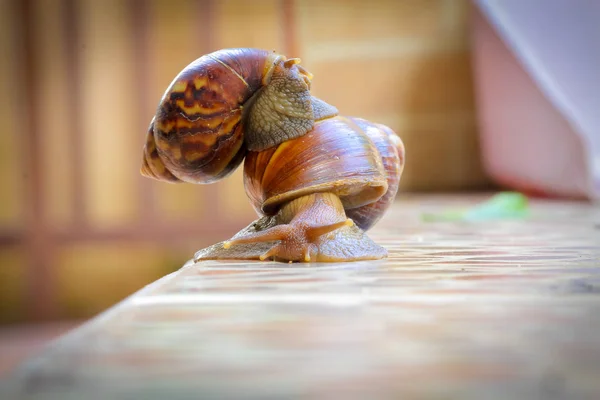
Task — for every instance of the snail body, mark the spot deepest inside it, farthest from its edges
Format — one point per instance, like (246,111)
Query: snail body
(317,180)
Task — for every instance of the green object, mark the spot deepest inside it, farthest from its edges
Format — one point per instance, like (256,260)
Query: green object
(505,205)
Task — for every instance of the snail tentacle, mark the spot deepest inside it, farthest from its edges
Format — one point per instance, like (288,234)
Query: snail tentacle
(279,232)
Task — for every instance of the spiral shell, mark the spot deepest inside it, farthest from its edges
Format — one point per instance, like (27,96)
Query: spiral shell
(197,134)
(353,158)
(391,151)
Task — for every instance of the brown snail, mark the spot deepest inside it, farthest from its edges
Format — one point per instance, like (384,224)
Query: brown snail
(203,128)
(317,180)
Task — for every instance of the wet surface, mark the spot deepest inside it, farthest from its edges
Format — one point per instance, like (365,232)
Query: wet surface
(477,310)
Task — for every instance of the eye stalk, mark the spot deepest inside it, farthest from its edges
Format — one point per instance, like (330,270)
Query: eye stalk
(307,76)
(304,73)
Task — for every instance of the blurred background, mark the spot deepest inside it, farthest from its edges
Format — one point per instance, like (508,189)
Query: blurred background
(80,228)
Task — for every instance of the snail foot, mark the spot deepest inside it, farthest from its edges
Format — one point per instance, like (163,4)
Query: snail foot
(348,243)
(296,240)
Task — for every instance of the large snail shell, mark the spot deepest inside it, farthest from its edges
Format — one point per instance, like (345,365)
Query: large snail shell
(336,156)
(391,151)
(197,134)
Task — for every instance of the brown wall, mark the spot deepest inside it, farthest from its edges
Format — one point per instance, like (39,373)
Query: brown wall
(80,79)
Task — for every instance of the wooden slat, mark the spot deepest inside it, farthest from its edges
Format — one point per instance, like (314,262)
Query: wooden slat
(40,277)
(108,111)
(12,172)
(77,138)
(55,113)
(13,284)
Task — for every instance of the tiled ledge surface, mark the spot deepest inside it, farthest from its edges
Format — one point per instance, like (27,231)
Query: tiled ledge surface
(496,309)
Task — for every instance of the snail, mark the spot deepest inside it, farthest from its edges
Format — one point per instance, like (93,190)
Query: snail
(317,180)
(203,126)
